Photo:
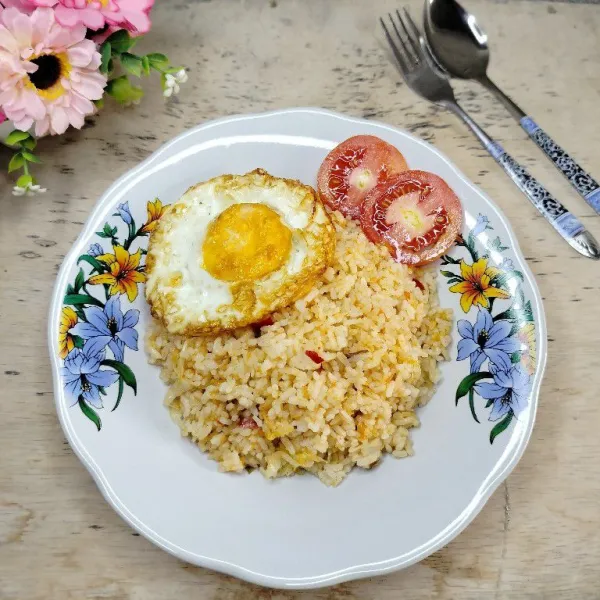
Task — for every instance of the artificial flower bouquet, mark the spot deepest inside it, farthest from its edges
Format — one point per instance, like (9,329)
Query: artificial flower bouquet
(58,58)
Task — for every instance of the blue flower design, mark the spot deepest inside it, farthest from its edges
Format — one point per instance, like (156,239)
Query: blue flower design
(95,250)
(481,225)
(509,391)
(82,376)
(507,265)
(109,327)
(486,339)
(125,213)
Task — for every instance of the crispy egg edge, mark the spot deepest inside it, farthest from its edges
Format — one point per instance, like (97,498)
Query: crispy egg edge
(243,293)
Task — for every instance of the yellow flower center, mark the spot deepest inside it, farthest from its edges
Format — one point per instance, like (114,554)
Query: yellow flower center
(47,79)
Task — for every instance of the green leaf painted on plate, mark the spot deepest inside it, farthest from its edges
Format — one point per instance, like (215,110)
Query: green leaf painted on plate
(78,341)
(124,371)
(90,413)
(119,394)
(500,427)
(468,382)
(472,404)
(98,266)
(79,281)
(82,299)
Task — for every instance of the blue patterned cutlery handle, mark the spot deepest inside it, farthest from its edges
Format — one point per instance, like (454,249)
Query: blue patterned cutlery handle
(583,182)
(567,225)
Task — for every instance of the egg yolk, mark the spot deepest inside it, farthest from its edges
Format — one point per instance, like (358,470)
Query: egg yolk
(246,242)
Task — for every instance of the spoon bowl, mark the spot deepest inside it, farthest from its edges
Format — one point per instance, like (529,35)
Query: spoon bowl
(457,42)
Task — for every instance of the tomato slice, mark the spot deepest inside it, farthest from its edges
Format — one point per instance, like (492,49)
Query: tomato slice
(353,168)
(415,214)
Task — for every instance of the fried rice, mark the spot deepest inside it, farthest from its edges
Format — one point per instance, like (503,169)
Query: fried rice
(334,382)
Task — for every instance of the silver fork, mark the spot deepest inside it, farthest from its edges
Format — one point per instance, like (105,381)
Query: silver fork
(422,78)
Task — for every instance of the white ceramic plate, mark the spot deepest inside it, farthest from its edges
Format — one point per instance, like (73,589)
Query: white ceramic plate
(295,532)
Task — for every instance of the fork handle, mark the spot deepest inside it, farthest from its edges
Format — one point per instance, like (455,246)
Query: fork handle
(587,187)
(565,223)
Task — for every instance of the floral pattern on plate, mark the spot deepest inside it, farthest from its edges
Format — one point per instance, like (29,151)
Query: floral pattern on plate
(97,326)
(498,335)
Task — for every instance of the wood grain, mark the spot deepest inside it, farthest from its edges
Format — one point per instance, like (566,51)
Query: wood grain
(539,535)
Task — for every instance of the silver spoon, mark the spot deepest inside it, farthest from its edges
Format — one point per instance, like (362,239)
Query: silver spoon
(459,46)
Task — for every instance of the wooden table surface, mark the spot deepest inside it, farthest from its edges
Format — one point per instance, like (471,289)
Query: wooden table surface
(539,535)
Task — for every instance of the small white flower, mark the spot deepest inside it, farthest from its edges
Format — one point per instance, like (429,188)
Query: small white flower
(168,92)
(170,80)
(181,76)
(29,190)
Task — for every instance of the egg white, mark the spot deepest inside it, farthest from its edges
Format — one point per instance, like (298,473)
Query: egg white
(188,299)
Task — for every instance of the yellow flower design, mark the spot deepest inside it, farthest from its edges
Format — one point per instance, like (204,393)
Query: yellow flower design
(68,320)
(476,286)
(124,276)
(155,211)
(526,335)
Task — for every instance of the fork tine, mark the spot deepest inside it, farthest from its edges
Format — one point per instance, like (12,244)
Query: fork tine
(409,47)
(415,35)
(402,62)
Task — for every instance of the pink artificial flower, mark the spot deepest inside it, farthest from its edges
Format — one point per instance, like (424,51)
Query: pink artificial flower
(2,116)
(96,14)
(25,6)
(48,74)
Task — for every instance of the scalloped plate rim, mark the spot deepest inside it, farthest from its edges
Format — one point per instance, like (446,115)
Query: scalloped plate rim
(502,469)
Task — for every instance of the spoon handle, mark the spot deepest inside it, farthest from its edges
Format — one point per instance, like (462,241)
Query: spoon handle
(565,223)
(587,187)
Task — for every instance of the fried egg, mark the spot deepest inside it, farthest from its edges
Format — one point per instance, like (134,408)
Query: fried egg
(233,250)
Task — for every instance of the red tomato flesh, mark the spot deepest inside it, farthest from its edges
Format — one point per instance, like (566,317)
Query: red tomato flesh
(415,214)
(353,168)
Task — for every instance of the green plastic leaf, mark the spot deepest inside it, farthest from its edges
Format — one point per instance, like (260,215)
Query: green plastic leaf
(157,60)
(122,90)
(90,260)
(24,181)
(16,136)
(79,281)
(119,394)
(16,162)
(124,371)
(30,143)
(500,427)
(82,300)
(472,404)
(120,41)
(132,64)
(90,413)
(468,382)
(28,156)
(146,65)
(106,53)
